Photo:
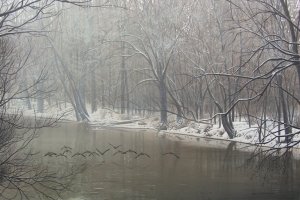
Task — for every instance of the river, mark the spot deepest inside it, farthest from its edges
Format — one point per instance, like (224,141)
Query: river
(157,167)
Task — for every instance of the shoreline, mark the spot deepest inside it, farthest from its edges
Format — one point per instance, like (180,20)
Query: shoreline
(172,133)
(213,142)
(246,136)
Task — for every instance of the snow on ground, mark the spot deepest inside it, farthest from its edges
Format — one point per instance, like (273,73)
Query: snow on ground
(108,118)
(65,113)
(245,134)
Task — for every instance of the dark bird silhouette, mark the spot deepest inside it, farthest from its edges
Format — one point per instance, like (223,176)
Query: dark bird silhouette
(102,153)
(50,154)
(125,152)
(115,147)
(63,155)
(92,153)
(131,151)
(171,153)
(66,148)
(89,153)
(78,154)
(142,154)
(121,152)
(66,151)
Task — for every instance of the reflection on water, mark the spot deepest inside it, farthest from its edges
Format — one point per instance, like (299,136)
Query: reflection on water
(173,169)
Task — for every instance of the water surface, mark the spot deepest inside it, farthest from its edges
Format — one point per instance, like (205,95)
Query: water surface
(192,172)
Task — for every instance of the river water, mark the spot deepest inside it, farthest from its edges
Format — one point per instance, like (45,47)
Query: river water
(170,168)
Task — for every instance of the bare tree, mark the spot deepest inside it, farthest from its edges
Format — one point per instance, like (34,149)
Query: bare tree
(273,28)
(19,178)
(160,36)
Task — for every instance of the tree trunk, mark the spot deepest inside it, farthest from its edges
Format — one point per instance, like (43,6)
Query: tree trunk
(40,97)
(177,105)
(123,80)
(81,90)
(80,106)
(163,104)
(127,93)
(287,128)
(103,94)
(293,33)
(278,119)
(93,92)
(23,87)
(228,127)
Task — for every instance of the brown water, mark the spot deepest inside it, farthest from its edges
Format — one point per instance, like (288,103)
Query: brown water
(199,173)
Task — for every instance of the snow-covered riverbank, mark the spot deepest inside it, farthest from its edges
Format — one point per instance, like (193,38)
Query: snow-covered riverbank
(107,118)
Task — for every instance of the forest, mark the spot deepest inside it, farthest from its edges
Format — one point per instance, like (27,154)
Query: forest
(211,62)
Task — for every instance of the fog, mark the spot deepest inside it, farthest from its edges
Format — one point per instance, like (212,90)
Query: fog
(226,70)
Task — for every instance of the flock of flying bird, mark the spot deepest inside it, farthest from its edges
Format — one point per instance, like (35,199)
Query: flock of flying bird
(67,152)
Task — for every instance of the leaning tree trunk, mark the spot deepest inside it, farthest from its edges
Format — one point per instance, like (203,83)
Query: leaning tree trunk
(80,106)
(75,97)
(228,127)
(226,124)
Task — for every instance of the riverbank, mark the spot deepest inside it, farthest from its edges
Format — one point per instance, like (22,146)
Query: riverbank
(246,134)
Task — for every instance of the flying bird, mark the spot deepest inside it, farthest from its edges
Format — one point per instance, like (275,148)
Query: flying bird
(78,154)
(67,151)
(93,153)
(63,155)
(131,151)
(50,154)
(171,153)
(121,152)
(115,147)
(142,154)
(66,148)
(90,153)
(102,153)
